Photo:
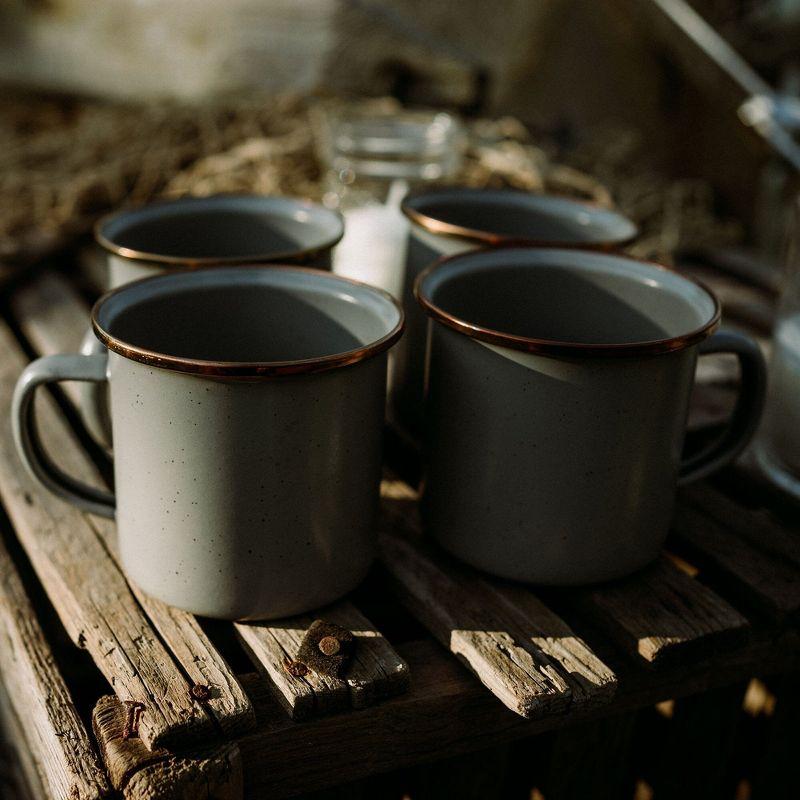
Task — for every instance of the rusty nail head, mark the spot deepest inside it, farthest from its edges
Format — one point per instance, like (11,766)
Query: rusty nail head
(297,669)
(201,692)
(329,645)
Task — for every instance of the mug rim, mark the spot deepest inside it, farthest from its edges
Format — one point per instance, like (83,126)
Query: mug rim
(193,262)
(555,347)
(249,370)
(440,227)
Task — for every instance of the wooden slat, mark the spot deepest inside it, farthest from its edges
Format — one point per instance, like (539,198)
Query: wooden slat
(447,712)
(519,649)
(53,318)
(657,614)
(215,772)
(377,671)
(85,586)
(769,582)
(661,613)
(756,525)
(39,696)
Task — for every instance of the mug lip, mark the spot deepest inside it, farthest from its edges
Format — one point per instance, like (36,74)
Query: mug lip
(193,262)
(558,348)
(441,227)
(250,370)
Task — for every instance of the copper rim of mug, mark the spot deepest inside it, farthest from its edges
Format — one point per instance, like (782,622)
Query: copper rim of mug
(554,347)
(487,238)
(300,255)
(255,370)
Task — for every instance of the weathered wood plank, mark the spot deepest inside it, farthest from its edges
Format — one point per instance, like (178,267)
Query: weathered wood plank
(515,646)
(38,694)
(447,711)
(661,613)
(377,672)
(20,772)
(53,318)
(756,525)
(214,773)
(769,582)
(86,588)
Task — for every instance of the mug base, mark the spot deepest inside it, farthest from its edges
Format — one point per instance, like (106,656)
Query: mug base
(245,611)
(554,578)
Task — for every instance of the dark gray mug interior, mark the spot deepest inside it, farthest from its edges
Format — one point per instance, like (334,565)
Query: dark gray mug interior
(248,315)
(520,215)
(568,296)
(224,227)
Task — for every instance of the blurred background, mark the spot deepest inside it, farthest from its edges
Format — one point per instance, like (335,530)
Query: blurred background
(683,114)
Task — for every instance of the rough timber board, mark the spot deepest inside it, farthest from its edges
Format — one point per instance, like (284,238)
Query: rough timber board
(760,576)
(38,695)
(214,772)
(84,585)
(447,712)
(53,318)
(661,614)
(525,655)
(657,614)
(377,672)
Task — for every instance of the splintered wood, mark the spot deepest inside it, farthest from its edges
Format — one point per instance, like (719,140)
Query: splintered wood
(377,672)
(518,648)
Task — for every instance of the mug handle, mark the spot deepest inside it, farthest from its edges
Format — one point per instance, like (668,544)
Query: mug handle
(41,467)
(744,421)
(93,397)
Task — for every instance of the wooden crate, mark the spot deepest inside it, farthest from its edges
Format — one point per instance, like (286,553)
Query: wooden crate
(552,689)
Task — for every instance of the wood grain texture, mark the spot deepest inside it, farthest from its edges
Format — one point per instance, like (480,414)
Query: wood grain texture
(54,318)
(38,695)
(447,711)
(86,588)
(587,678)
(661,613)
(213,773)
(377,672)
(509,643)
(763,579)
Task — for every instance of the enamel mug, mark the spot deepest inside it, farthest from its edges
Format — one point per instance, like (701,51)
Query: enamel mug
(247,412)
(558,386)
(191,232)
(447,221)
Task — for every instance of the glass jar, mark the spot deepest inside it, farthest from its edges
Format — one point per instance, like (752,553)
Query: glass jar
(373,155)
(777,447)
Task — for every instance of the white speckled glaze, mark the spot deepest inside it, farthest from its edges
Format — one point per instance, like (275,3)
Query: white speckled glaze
(249,496)
(560,467)
(204,231)
(475,218)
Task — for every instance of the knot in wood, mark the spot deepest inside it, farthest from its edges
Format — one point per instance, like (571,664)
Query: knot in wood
(329,645)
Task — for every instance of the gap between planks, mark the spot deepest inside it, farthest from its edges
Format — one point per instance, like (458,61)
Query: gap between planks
(53,318)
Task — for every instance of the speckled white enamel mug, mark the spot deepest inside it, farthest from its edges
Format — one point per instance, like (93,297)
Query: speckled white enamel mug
(558,386)
(247,410)
(191,232)
(450,220)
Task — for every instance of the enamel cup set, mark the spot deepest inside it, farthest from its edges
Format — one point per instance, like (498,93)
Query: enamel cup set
(548,378)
